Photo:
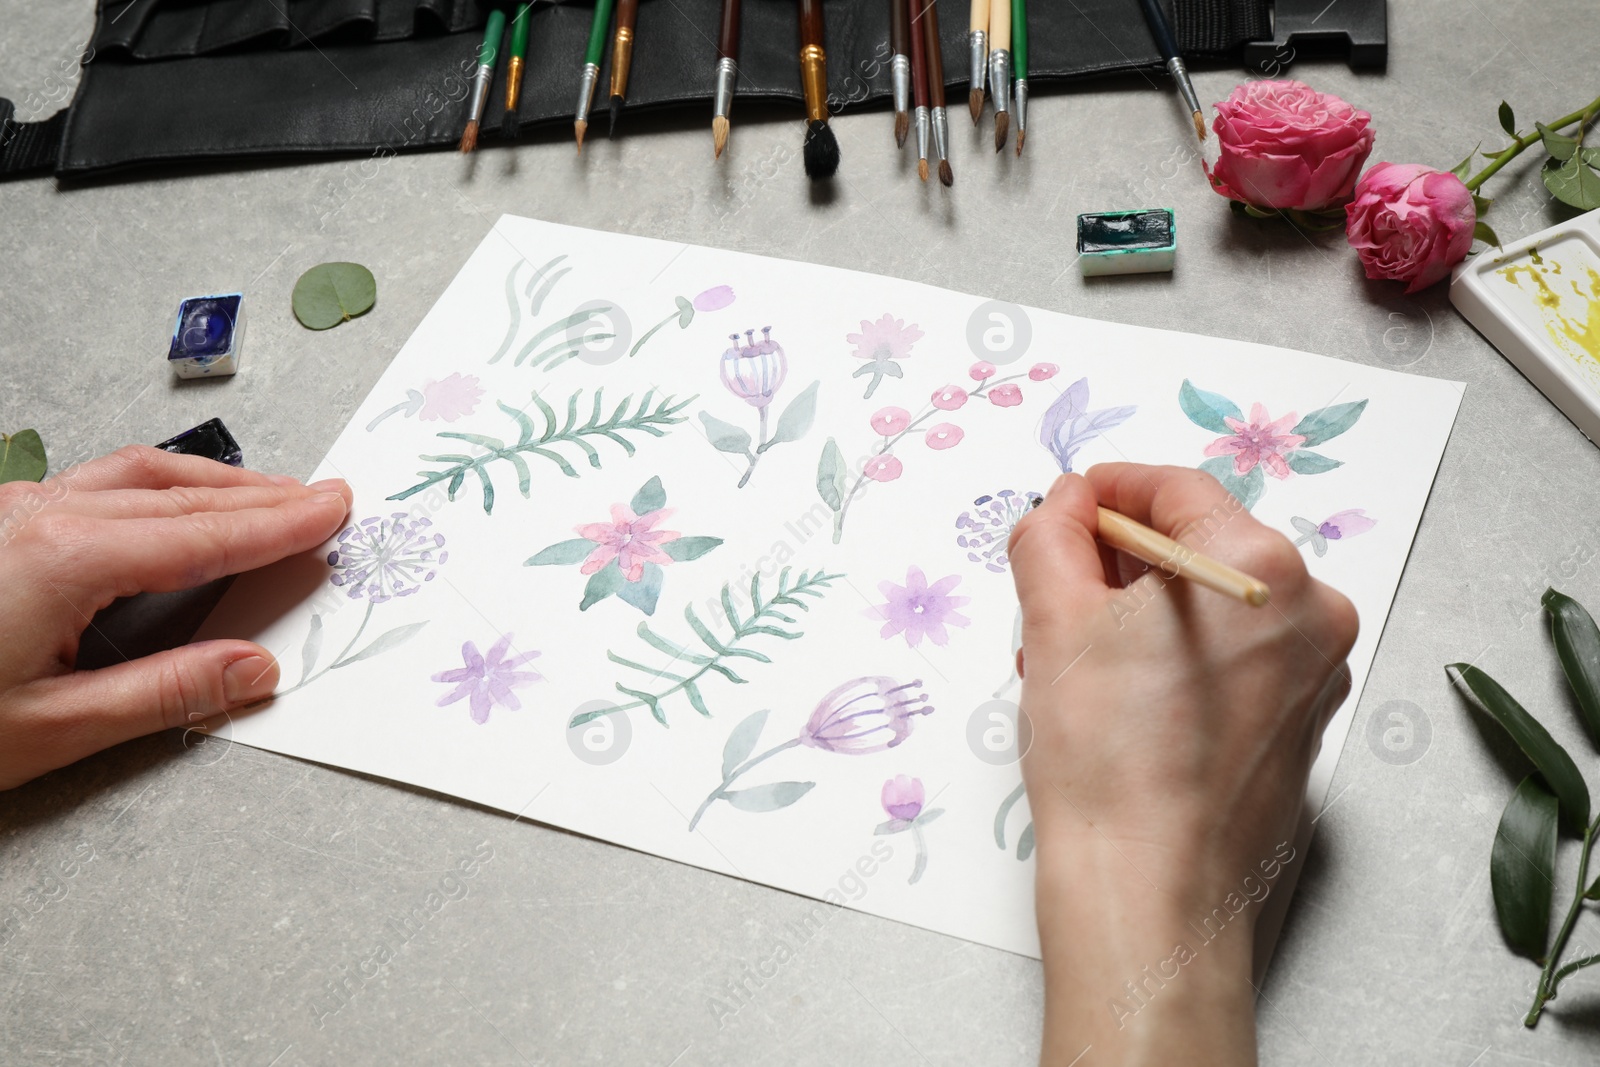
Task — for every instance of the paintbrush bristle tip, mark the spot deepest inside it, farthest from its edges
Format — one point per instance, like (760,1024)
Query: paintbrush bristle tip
(902,128)
(510,127)
(1002,126)
(469,137)
(975,104)
(821,150)
(947,176)
(1199,125)
(616,112)
(579,128)
(1022,135)
(922,169)
(719,136)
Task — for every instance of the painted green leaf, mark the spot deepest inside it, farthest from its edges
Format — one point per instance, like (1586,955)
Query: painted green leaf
(1324,424)
(1207,410)
(685,312)
(1522,868)
(331,293)
(1578,645)
(1303,462)
(1247,489)
(769,797)
(1508,119)
(1559,145)
(650,497)
(644,593)
(742,741)
(687,548)
(312,647)
(795,422)
(725,436)
(831,475)
(22,457)
(1560,773)
(602,583)
(562,553)
(1025,842)
(384,642)
(1574,182)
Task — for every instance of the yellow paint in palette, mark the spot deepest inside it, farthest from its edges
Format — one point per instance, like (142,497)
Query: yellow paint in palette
(1572,320)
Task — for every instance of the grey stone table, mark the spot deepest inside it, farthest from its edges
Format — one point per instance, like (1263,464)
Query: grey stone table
(165,903)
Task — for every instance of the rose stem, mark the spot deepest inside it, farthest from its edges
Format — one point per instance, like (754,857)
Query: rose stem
(1582,116)
(1547,980)
(721,791)
(761,444)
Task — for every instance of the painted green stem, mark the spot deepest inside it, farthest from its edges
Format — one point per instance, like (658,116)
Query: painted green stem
(722,790)
(1582,116)
(1550,976)
(651,332)
(338,661)
(761,446)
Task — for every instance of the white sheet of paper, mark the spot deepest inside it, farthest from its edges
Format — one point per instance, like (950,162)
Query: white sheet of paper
(382,713)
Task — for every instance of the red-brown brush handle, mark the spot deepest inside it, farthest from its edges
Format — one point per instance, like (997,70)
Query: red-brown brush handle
(930,41)
(728,38)
(899,28)
(919,53)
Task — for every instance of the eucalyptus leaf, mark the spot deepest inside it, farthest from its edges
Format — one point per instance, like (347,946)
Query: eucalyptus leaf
(562,553)
(602,583)
(383,643)
(1207,410)
(1508,119)
(795,422)
(22,457)
(331,293)
(686,548)
(1560,773)
(1482,231)
(1559,145)
(1577,642)
(724,436)
(742,741)
(1522,868)
(1574,182)
(831,475)
(650,497)
(769,797)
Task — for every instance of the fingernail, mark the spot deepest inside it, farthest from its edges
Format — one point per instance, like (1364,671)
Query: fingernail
(248,679)
(329,498)
(330,485)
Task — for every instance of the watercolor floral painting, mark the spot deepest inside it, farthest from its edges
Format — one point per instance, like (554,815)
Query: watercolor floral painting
(1252,448)
(1340,526)
(918,610)
(447,399)
(1024,839)
(1069,425)
(626,556)
(563,339)
(713,299)
(487,680)
(986,529)
(754,372)
(883,343)
(857,718)
(904,800)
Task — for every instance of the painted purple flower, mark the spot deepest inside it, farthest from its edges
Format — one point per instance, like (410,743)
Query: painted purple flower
(1336,527)
(1262,440)
(1069,424)
(714,299)
(381,558)
(865,715)
(754,370)
(917,609)
(450,398)
(882,344)
(903,797)
(986,530)
(488,679)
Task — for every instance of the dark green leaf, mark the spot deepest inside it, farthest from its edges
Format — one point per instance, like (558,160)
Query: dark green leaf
(831,475)
(644,593)
(769,797)
(1522,868)
(1246,489)
(1463,169)
(22,457)
(1559,145)
(724,436)
(602,583)
(687,548)
(1207,410)
(650,497)
(1591,156)
(1593,892)
(1324,424)
(1482,231)
(1578,645)
(742,741)
(796,419)
(1480,204)
(331,293)
(1303,462)
(384,642)
(1574,182)
(1508,119)
(562,553)
(1560,773)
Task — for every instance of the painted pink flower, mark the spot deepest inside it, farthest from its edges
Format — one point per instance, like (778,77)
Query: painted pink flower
(450,398)
(888,421)
(865,715)
(882,344)
(903,797)
(632,540)
(1261,440)
(1041,372)
(949,398)
(1005,396)
(944,435)
(883,468)
(714,299)
(488,678)
(917,609)
(981,370)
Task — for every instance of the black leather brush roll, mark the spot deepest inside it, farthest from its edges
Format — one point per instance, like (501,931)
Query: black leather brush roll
(177,80)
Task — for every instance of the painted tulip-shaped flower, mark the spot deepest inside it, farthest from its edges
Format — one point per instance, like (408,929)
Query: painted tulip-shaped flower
(755,370)
(713,299)
(865,715)
(903,799)
(1339,526)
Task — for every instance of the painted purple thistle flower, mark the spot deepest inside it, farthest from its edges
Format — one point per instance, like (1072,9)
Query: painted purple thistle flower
(1336,527)
(987,529)
(754,370)
(917,609)
(865,715)
(382,558)
(903,797)
(488,679)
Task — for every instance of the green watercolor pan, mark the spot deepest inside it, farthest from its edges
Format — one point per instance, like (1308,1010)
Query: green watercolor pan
(1127,242)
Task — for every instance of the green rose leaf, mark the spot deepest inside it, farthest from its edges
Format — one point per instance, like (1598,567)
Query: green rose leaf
(1207,410)
(742,741)
(331,293)
(1559,145)
(1482,231)
(1560,773)
(1480,204)
(1302,462)
(796,419)
(22,457)
(1573,182)
(1324,424)
(1247,488)
(1508,119)
(602,583)
(562,553)
(1463,169)
(831,475)
(687,548)
(650,497)
(769,797)
(1578,646)
(724,436)
(1522,867)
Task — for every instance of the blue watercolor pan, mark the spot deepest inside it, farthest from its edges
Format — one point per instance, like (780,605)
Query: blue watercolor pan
(208,336)
(210,439)
(1127,242)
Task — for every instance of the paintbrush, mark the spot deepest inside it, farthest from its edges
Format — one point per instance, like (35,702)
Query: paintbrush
(727,75)
(821,147)
(978,45)
(621,58)
(484,78)
(941,123)
(510,126)
(900,68)
(591,68)
(1168,47)
(919,82)
(1000,69)
(1019,67)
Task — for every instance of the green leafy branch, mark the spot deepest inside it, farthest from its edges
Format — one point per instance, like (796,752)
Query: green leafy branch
(765,620)
(645,418)
(1522,861)
(1572,173)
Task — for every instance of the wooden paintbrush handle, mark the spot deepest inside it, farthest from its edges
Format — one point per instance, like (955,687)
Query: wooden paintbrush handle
(1173,559)
(919,53)
(930,37)
(728,37)
(899,28)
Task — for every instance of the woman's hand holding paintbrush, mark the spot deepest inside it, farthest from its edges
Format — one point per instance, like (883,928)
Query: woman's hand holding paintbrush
(1173,733)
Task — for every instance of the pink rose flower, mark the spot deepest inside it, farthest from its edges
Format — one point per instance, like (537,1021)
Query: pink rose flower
(1005,396)
(883,468)
(1042,372)
(1285,145)
(891,420)
(1261,440)
(1410,223)
(949,398)
(981,370)
(944,435)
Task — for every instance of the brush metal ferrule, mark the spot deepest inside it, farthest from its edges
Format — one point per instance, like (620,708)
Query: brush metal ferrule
(480,92)
(1019,103)
(621,61)
(1000,79)
(941,133)
(900,74)
(586,84)
(1180,74)
(513,82)
(923,126)
(727,75)
(978,46)
(814,80)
